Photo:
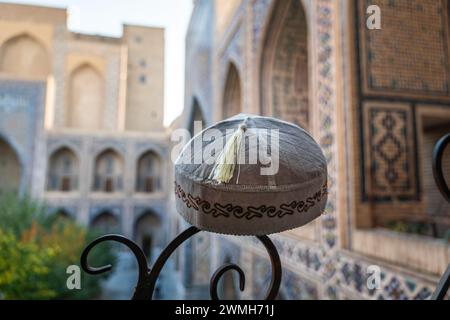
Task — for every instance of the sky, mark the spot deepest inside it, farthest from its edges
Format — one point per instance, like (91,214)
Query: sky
(106,17)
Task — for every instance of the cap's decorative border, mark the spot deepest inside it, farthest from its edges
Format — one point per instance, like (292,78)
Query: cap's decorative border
(249,212)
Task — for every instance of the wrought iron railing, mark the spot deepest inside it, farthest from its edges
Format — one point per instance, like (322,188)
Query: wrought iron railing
(148,276)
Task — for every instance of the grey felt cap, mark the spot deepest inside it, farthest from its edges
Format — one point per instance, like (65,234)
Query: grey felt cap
(285,188)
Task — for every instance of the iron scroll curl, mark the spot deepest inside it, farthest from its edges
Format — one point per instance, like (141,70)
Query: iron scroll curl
(147,277)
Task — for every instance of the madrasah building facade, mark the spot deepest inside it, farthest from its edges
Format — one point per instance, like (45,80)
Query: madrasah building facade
(375,100)
(81,121)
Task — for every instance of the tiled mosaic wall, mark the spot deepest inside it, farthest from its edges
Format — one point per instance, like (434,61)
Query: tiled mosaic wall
(325,267)
(409,55)
(389,137)
(408,61)
(22,106)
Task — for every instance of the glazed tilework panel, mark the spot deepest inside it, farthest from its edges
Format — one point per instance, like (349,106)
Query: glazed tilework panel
(352,275)
(293,287)
(389,150)
(409,55)
(21,110)
(325,96)
(260,10)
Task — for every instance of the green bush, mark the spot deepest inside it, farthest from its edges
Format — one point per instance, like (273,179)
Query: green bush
(23,269)
(36,249)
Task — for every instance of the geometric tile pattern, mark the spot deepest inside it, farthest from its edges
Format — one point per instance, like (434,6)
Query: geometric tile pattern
(352,275)
(326,105)
(389,163)
(310,258)
(409,55)
(339,270)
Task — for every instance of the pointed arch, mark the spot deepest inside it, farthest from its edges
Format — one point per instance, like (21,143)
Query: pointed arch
(86,98)
(148,174)
(147,229)
(196,115)
(24,56)
(232,96)
(108,171)
(62,214)
(284,69)
(63,170)
(106,222)
(10,168)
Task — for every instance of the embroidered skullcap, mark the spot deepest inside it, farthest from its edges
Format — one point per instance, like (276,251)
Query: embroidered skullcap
(219,186)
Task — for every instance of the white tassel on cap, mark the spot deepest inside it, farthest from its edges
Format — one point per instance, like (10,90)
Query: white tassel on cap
(226,162)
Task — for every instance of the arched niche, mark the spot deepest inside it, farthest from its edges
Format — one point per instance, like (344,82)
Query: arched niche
(24,56)
(232,96)
(148,173)
(86,98)
(147,231)
(108,172)
(284,81)
(105,223)
(63,171)
(10,168)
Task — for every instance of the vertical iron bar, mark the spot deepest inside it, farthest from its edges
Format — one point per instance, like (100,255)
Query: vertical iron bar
(442,287)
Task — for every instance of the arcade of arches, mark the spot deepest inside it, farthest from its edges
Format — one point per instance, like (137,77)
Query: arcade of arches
(64,169)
